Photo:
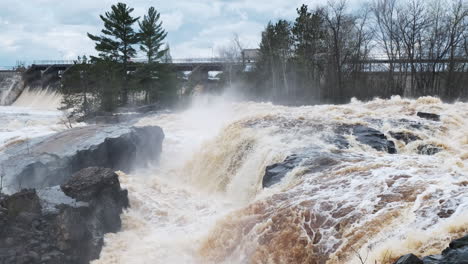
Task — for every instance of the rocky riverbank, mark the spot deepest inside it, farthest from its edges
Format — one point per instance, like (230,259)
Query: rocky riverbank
(51,160)
(455,253)
(61,225)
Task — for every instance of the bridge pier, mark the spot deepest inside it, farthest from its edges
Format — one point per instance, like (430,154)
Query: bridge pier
(44,75)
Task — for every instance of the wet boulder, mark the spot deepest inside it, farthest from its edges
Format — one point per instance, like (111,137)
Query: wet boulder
(276,172)
(88,183)
(456,253)
(368,136)
(428,149)
(311,161)
(458,243)
(406,137)
(51,160)
(455,256)
(428,116)
(71,233)
(409,259)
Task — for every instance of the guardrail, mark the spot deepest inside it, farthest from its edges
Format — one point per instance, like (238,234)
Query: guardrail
(53,62)
(7,68)
(375,58)
(174,61)
(189,60)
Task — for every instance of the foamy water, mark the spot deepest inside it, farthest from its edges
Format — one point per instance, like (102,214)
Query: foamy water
(205,203)
(33,114)
(41,99)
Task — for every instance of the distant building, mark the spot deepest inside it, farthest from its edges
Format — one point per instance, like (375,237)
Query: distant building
(250,55)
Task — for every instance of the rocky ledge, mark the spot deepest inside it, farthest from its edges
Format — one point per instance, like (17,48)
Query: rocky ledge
(36,228)
(51,160)
(456,253)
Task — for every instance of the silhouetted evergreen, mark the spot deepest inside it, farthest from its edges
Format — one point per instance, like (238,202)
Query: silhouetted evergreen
(113,78)
(116,43)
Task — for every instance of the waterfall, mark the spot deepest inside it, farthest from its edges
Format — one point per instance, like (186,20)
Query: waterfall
(27,113)
(41,99)
(205,202)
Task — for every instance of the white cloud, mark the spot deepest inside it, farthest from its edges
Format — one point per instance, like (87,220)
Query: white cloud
(54,29)
(172,21)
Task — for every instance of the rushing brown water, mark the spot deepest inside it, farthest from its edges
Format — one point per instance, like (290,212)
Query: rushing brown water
(205,203)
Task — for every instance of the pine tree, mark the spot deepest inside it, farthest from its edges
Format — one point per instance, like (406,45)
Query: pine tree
(309,37)
(152,36)
(275,53)
(117,40)
(155,78)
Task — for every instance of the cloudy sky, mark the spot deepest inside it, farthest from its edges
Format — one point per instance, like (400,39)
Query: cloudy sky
(56,29)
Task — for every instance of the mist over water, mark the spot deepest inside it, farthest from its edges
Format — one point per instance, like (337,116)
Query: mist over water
(204,202)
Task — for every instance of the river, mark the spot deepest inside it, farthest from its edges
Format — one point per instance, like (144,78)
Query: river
(204,201)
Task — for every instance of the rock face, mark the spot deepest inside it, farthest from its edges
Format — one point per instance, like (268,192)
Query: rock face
(406,137)
(274,173)
(409,259)
(429,116)
(428,149)
(51,160)
(313,162)
(366,135)
(72,232)
(456,253)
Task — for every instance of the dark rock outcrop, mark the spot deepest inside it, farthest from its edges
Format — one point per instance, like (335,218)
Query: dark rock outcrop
(458,243)
(366,135)
(51,160)
(409,259)
(429,116)
(428,149)
(72,232)
(312,161)
(406,137)
(456,253)
(274,173)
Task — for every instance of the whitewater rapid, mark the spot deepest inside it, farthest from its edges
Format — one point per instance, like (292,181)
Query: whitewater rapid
(34,114)
(204,201)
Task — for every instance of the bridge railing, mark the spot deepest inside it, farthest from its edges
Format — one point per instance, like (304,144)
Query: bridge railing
(7,68)
(189,60)
(53,62)
(175,61)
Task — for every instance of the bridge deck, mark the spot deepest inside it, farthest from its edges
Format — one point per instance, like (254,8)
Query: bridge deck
(218,64)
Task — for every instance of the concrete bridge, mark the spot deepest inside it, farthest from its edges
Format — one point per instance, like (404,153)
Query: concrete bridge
(44,72)
(210,64)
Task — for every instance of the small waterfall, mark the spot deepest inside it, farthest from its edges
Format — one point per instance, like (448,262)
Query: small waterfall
(41,99)
(10,88)
(27,113)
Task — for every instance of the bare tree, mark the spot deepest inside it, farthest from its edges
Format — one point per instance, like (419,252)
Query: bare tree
(388,39)
(232,55)
(348,40)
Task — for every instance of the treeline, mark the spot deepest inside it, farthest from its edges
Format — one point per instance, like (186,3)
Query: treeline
(113,79)
(326,54)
